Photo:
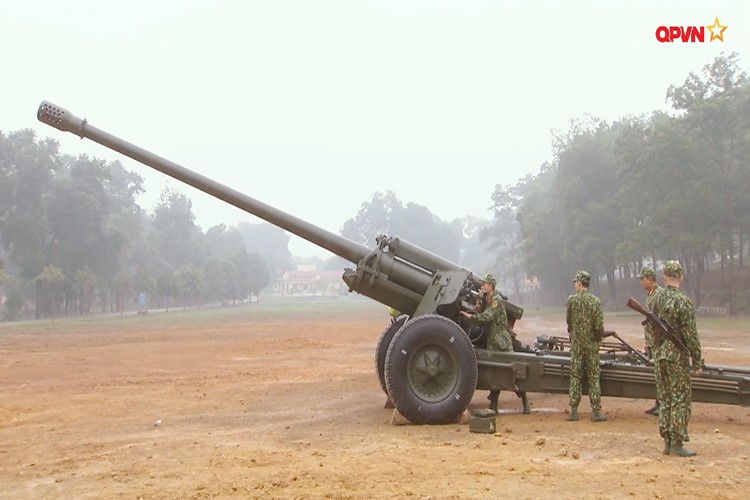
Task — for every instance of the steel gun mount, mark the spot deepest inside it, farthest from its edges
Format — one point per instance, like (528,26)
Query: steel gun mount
(427,363)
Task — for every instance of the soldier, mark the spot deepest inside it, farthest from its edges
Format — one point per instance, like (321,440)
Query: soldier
(585,328)
(673,364)
(648,282)
(492,314)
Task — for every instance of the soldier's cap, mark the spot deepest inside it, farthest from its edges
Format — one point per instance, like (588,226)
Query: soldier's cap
(583,277)
(488,278)
(647,272)
(673,269)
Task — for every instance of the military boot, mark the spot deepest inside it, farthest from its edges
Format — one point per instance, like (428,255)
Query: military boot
(526,405)
(654,410)
(667,446)
(493,397)
(597,416)
(679,450)
(573,417)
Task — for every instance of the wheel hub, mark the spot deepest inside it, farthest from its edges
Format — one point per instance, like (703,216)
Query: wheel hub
(432,373)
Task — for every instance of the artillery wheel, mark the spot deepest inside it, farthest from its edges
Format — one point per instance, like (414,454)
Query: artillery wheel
(382,349)
(431,370)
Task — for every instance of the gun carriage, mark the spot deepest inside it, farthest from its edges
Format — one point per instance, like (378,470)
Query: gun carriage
(429,361)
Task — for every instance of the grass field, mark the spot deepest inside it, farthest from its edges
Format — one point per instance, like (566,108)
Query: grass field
(267,310)
(277,309)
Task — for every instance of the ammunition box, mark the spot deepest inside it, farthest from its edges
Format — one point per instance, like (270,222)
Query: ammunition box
(484,425)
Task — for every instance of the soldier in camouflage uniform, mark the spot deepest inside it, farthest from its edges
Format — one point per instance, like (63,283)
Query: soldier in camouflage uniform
(648,282)
(492,313)
(673,364)
(585,327)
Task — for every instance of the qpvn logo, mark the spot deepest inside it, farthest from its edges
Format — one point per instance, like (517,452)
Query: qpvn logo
(690,34)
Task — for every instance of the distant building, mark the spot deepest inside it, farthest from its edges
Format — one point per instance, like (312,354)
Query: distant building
(311,283)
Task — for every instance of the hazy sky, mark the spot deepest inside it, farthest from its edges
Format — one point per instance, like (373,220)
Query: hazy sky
(312,106)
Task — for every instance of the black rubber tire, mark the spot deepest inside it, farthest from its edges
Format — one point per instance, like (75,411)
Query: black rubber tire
(382,349)
(431,370)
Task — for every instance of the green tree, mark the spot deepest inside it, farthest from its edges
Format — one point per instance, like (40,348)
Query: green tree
(191,283)
(585,187)
(86,283)
(385,214)
(93,217)
(27,168)
(257,271)
(541,222)
(271,243)
(12,305)
(144,283)
(49,279)
(375,217)
(223,242)
(503,236)
(168,286)
(174,238)
(5,278)
(717,126)
(215,280)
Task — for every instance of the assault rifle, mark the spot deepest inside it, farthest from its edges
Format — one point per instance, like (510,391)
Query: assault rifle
(631,350)
(662,330)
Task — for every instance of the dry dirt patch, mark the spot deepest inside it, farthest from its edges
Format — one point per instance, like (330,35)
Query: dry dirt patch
(259,404)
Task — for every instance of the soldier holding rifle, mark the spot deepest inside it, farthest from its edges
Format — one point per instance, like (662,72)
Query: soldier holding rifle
(648,282)
(676,344)
(673,362)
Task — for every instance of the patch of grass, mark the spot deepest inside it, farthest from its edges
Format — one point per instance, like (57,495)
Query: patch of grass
(280,310)
(543,312)
(267,310)
(724,323)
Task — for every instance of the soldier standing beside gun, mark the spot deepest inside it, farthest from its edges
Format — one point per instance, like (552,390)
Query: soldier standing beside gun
(675,309)
(586,328)
(648,282)
(491,312)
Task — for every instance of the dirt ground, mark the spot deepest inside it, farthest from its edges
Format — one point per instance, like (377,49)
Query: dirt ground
(266,407)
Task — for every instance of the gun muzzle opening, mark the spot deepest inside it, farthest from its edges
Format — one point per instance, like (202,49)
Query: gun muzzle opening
(60,118)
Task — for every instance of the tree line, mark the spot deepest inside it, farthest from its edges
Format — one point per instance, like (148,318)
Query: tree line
(72,235)
(638,191)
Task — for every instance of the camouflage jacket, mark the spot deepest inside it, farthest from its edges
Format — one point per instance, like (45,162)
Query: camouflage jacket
(585,318)
(495,320)
(649,306)
(676,310)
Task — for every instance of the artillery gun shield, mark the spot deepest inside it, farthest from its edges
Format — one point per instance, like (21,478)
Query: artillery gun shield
(431,370)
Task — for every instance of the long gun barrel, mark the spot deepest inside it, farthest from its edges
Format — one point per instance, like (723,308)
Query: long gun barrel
(66,121)
(396,273)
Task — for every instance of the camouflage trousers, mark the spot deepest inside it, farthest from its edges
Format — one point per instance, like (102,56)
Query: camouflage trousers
(650,350)
(657,377)
(649,336)
(584,360)
(675,398)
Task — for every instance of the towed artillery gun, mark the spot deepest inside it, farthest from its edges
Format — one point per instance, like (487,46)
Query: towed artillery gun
(428,361)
